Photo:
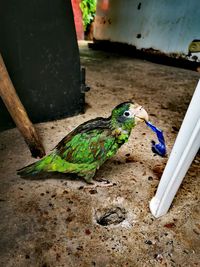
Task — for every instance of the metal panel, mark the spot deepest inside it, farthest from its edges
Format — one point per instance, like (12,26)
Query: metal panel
(165,25)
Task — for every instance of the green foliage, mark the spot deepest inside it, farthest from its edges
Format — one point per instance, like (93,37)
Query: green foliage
(88,8)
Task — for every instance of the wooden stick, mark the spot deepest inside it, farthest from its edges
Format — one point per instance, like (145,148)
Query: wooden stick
(18,112)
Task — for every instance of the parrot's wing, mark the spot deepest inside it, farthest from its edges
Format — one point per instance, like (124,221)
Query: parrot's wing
(98,123)
(88,143)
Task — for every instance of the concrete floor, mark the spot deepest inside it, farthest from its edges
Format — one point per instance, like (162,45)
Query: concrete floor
(58,222)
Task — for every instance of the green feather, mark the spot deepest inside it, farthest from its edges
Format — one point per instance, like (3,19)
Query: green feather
(87,147)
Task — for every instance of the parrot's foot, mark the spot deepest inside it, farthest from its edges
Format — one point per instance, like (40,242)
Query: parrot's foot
(99,183)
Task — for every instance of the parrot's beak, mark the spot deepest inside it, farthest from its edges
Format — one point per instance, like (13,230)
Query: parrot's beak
(139,113)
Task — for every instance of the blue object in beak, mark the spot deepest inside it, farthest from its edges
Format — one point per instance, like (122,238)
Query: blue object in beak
(160,148)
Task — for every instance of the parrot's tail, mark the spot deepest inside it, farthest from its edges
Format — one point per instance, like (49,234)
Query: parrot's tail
(37,167)
(31,169)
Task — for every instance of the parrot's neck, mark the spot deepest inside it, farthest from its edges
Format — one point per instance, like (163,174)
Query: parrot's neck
(122,131)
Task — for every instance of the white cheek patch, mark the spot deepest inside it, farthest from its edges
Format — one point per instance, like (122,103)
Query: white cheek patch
(132,114)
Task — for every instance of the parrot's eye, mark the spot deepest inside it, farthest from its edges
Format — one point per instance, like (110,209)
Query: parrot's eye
(127,114)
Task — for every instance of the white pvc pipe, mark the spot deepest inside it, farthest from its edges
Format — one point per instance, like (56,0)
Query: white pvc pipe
(184,150)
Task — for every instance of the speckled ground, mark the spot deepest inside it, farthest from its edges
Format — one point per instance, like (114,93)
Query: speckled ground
(58,222)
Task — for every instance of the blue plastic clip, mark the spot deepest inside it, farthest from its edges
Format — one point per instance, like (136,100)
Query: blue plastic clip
(160,148)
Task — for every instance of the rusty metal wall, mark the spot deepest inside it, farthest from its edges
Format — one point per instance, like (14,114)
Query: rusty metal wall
(170,26)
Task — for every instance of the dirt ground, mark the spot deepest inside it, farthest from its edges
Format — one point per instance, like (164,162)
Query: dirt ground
(59,222)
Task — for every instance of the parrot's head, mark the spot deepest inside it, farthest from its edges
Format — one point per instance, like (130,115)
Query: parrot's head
(129,113)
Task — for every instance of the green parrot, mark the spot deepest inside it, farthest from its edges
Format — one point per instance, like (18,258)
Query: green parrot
(88,146)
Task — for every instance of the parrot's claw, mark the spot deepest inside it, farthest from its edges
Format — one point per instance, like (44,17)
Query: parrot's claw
(99,183)
(101,180)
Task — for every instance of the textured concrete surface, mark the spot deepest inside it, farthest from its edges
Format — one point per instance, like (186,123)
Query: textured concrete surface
(57,221)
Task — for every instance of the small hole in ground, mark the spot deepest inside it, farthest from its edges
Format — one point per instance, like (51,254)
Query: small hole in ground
(111,216)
